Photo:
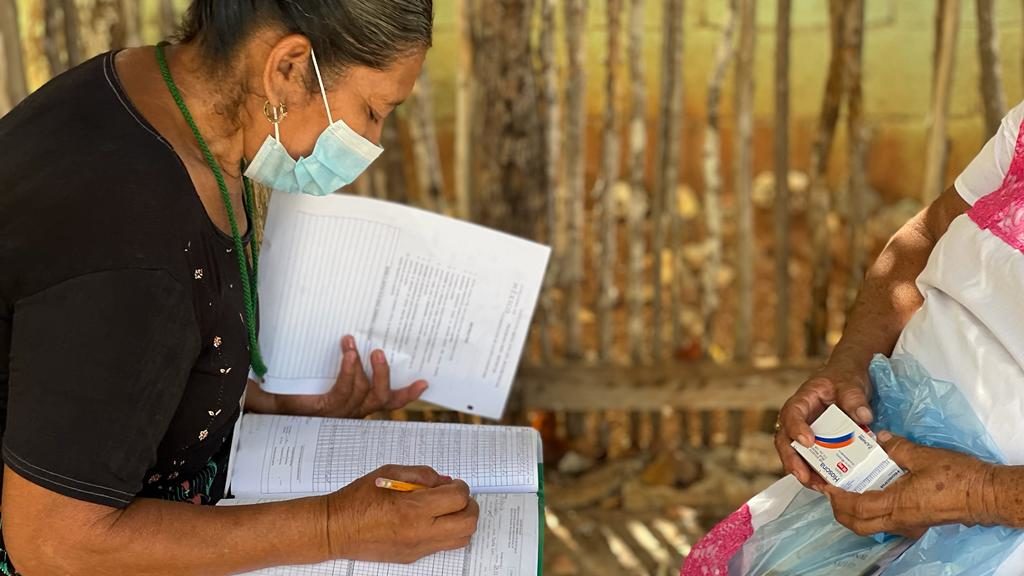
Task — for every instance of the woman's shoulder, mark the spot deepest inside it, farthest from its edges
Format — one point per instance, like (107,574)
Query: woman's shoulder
(79,118)
(84,111)
(986,172)
(85,185)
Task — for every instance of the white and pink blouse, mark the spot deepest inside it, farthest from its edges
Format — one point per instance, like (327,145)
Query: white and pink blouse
(969,330)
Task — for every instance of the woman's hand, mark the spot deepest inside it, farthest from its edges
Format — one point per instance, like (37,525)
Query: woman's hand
(378,525)
(354,395)
(940,487)
(846,387)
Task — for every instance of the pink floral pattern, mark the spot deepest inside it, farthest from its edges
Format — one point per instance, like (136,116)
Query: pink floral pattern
(1002,212)
(710,557)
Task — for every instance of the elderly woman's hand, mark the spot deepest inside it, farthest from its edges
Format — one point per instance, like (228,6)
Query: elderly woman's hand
(940,487)
(835,384)
(369,523)
(354,394)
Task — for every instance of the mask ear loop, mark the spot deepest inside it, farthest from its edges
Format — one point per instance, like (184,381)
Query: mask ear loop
(323,91)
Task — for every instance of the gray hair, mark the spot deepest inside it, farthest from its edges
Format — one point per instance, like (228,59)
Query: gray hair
(343,33)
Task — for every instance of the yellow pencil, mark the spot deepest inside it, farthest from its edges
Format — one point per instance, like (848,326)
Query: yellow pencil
(398,485)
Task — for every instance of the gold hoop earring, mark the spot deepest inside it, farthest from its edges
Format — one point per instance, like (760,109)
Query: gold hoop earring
(275,113)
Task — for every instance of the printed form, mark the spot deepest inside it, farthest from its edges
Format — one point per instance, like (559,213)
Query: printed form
(283,457)
(504,545)
(280,456)
(448,301)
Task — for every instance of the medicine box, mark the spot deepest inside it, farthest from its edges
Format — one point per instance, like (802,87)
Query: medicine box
(847,455)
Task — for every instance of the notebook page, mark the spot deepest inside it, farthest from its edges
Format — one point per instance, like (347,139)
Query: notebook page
(506,540)
(292,455)
(505,544)
(447,301)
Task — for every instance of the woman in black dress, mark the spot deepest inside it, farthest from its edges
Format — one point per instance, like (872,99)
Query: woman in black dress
(127,305)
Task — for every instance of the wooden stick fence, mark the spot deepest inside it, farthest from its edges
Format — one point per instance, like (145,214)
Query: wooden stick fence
(640,292)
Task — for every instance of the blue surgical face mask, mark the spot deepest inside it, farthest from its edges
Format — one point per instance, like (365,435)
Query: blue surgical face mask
(339,157)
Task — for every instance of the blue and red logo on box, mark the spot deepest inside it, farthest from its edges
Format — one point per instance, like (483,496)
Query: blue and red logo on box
(834,442)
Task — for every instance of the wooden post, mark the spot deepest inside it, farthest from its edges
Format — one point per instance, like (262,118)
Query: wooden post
(670,135)
(992,95)
(485,54)
(168,18)
(424,140)
(856,148)
(682,280)
(363,186)
(552,165)
(463,108)
(390,178)
(509,166)
(820,200)
(107,15)
(782,252)
(131,21)
(942,92)
(520,174)
(744,167)
(13,84)
(667,173)
(261,201)
(72,33)
(6,102)
(712,163)
(638,194)
(606,292)
(106,20)
(375,182)
(52,39)
(575,157)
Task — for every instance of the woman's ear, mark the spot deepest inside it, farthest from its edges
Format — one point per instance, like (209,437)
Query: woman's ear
(287,70)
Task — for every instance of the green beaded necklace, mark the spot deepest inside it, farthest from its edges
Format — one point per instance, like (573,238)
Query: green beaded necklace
(249,294)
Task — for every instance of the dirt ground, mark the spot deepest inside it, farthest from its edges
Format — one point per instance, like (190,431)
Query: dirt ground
(640,514)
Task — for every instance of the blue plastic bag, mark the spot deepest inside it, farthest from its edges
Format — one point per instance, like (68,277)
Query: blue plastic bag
(806,539)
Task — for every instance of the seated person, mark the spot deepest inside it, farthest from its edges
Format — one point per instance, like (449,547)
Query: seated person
(944,293)
(127,300)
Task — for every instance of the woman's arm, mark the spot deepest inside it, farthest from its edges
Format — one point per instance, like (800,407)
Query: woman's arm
(47,533)
(889,296)
(1002,497)
(887,300)
(941,487)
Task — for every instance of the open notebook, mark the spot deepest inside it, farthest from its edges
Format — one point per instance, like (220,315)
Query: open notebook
(281,457)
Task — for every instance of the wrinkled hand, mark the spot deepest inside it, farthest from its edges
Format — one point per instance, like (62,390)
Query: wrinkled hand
(354,395)
(845,387)
(940,487)
(378,525)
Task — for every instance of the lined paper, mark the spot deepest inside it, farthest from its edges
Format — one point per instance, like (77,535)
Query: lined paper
(294,455)
(447,301)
